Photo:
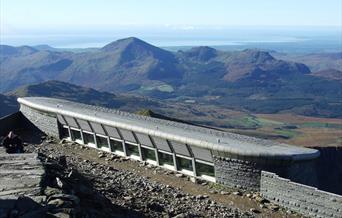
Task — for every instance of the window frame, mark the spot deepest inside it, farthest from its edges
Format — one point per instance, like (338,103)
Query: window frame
(121,153)
(154,162)
(133,156)
(67,128)
(93,145)
(206,177)
(167,166)
(80,141)
(102,147)
(186,171)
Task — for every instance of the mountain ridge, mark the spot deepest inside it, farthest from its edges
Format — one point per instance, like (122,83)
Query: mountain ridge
(72,92)
(130,65)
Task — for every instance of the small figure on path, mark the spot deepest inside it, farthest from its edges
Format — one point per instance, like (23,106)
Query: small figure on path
(13,143)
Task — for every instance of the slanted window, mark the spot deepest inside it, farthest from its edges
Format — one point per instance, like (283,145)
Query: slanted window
(88,138)
(148,154)
(161,144)
(132,150)
(101,142)
(184,164)
(205,169)
(165,159)
(116,145)
(76,135)
(65,133)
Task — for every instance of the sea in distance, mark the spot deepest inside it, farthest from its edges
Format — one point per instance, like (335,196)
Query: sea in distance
(289,39)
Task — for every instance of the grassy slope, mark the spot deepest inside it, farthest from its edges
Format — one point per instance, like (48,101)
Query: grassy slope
(58,89)
(293,129)
(303,130)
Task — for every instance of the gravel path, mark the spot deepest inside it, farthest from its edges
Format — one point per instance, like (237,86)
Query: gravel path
(139,190)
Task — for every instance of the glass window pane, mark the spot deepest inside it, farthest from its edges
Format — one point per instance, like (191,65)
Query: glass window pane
(76,135)
(88,138)
(165,159)
(204,169)
(116,145)
(64,132)
(148,154)
(101,142)
(132,149)
(184,164)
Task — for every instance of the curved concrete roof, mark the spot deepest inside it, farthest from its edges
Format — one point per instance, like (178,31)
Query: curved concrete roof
(192,135)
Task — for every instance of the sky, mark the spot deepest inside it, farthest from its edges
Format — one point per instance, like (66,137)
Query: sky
(23,16)
(94,23)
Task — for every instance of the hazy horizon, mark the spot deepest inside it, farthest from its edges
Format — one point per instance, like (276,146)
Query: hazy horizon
(83,24)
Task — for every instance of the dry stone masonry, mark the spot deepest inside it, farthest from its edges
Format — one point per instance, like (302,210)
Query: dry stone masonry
(20,174)
(237,173)
(300,198)
(44,121)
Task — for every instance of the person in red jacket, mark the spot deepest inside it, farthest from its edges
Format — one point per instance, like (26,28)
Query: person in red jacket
(13,143)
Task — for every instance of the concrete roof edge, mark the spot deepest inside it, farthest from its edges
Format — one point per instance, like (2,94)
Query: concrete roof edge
(157,133)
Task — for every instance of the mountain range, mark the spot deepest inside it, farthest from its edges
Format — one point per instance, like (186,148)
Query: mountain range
(250,79)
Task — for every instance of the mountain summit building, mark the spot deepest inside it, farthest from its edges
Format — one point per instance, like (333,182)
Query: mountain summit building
(217,156)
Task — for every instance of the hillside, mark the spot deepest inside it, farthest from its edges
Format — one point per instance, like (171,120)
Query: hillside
(63,90)
(250,80)
(330,74)
(316,61)
(289,128)
(8,104)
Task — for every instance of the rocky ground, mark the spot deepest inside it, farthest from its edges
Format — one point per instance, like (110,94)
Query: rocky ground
(83,182)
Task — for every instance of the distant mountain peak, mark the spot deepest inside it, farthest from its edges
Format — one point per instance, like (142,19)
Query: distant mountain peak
(44,47)
(254,64)
(152,61)
(256,55)
(21,50)
(131,39)
(126,42)
(202,53)
(203,49)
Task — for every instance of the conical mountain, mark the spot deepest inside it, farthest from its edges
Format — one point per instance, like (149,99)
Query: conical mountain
(128,60)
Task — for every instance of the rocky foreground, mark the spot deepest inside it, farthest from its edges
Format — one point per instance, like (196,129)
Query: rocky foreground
(77,186)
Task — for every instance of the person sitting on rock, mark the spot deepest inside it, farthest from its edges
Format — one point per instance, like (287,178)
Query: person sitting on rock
(13,143)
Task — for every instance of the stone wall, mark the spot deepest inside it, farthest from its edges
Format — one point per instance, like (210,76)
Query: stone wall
(21,174)
(237,173)
(46,122)
(303,199)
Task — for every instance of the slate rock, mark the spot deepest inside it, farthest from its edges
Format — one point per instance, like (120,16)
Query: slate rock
(66,197)
(52,191)
(179,175)
(56,202)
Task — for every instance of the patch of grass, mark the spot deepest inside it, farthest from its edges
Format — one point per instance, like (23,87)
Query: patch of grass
(287,133)
(318,137)
(162,88)
(253,122)
(321,125)
(165,88)
(220,187)
(248,122)
(268,122)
